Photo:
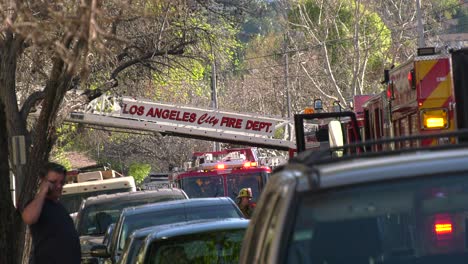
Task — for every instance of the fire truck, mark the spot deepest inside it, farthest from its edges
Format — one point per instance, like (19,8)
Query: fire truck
(223,174)
(426,95)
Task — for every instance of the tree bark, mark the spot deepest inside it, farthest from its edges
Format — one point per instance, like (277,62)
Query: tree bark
(42,137)
(9,219)
(11,230)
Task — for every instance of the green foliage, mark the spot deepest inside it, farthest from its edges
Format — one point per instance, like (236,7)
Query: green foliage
(58,156)
(189,77)
(462,25)
(279,133)
(139,171)
(66,134)
(443,10)
(355,37)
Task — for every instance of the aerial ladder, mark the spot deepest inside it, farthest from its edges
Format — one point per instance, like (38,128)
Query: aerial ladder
(138,114)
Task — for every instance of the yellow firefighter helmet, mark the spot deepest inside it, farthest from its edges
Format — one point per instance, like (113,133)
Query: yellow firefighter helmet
(245,192)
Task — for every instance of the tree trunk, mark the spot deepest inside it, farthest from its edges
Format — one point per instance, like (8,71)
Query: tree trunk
(9,219)
(11,124)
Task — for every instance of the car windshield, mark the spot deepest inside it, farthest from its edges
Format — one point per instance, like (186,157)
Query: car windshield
(245,180)
(416,221)
(95,219)
(139,221)
(203,187)
(221,246)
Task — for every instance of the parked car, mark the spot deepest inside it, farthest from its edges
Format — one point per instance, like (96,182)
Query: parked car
(97,213)
(217,241)
(135,218)
(137,238)
(392,208)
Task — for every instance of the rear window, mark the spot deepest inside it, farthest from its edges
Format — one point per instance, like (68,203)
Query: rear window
(72,202)
(220,246)
(416,221)
(95,219)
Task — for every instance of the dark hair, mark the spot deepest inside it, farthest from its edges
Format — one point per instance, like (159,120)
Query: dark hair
(51,166)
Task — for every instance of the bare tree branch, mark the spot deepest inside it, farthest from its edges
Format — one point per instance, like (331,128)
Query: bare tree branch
(30,102)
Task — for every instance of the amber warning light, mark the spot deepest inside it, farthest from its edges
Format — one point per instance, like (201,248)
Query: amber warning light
(250,164)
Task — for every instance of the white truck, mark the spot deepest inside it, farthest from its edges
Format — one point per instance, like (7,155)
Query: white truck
(80,186)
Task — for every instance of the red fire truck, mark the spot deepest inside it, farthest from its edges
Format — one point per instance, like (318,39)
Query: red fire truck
(426,95)
(223,173)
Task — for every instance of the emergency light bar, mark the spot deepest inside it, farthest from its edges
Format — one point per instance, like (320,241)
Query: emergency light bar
(224,165)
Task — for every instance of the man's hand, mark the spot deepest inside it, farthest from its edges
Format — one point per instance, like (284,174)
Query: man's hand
(45,187)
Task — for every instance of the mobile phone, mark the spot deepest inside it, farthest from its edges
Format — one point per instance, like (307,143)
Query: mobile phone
(50,191)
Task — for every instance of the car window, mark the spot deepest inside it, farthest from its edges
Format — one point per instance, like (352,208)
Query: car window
(139,221)
(95,219)
(220,246)
(236,182)
(133,250)
(414,221)
(203,187)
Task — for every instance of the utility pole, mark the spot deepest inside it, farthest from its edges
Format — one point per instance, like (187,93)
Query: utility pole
(421,42)
(286,77)
(214,96)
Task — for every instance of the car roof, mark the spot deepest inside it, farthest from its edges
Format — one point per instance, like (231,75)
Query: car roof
(144,232)
(123,196)
(178,204)
(196,227)
(383,168)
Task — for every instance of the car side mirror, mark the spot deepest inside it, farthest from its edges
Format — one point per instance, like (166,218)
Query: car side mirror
(100,251)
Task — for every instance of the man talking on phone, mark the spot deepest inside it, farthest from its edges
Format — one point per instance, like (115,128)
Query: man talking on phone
(54,237)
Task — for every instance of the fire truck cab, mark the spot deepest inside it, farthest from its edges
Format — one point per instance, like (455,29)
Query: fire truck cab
(223,174)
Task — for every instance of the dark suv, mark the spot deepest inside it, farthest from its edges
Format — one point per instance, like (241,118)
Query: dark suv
(395,208)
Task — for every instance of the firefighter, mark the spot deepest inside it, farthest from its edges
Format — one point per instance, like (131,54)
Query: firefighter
(243,201)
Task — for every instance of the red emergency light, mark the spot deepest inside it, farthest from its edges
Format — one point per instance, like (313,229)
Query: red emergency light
(412,79)
(443,227)
(390,91)
(221,166)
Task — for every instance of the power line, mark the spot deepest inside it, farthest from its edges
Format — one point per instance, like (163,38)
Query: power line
(260,68)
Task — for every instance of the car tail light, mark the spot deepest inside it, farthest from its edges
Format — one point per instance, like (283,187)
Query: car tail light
(443,227)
